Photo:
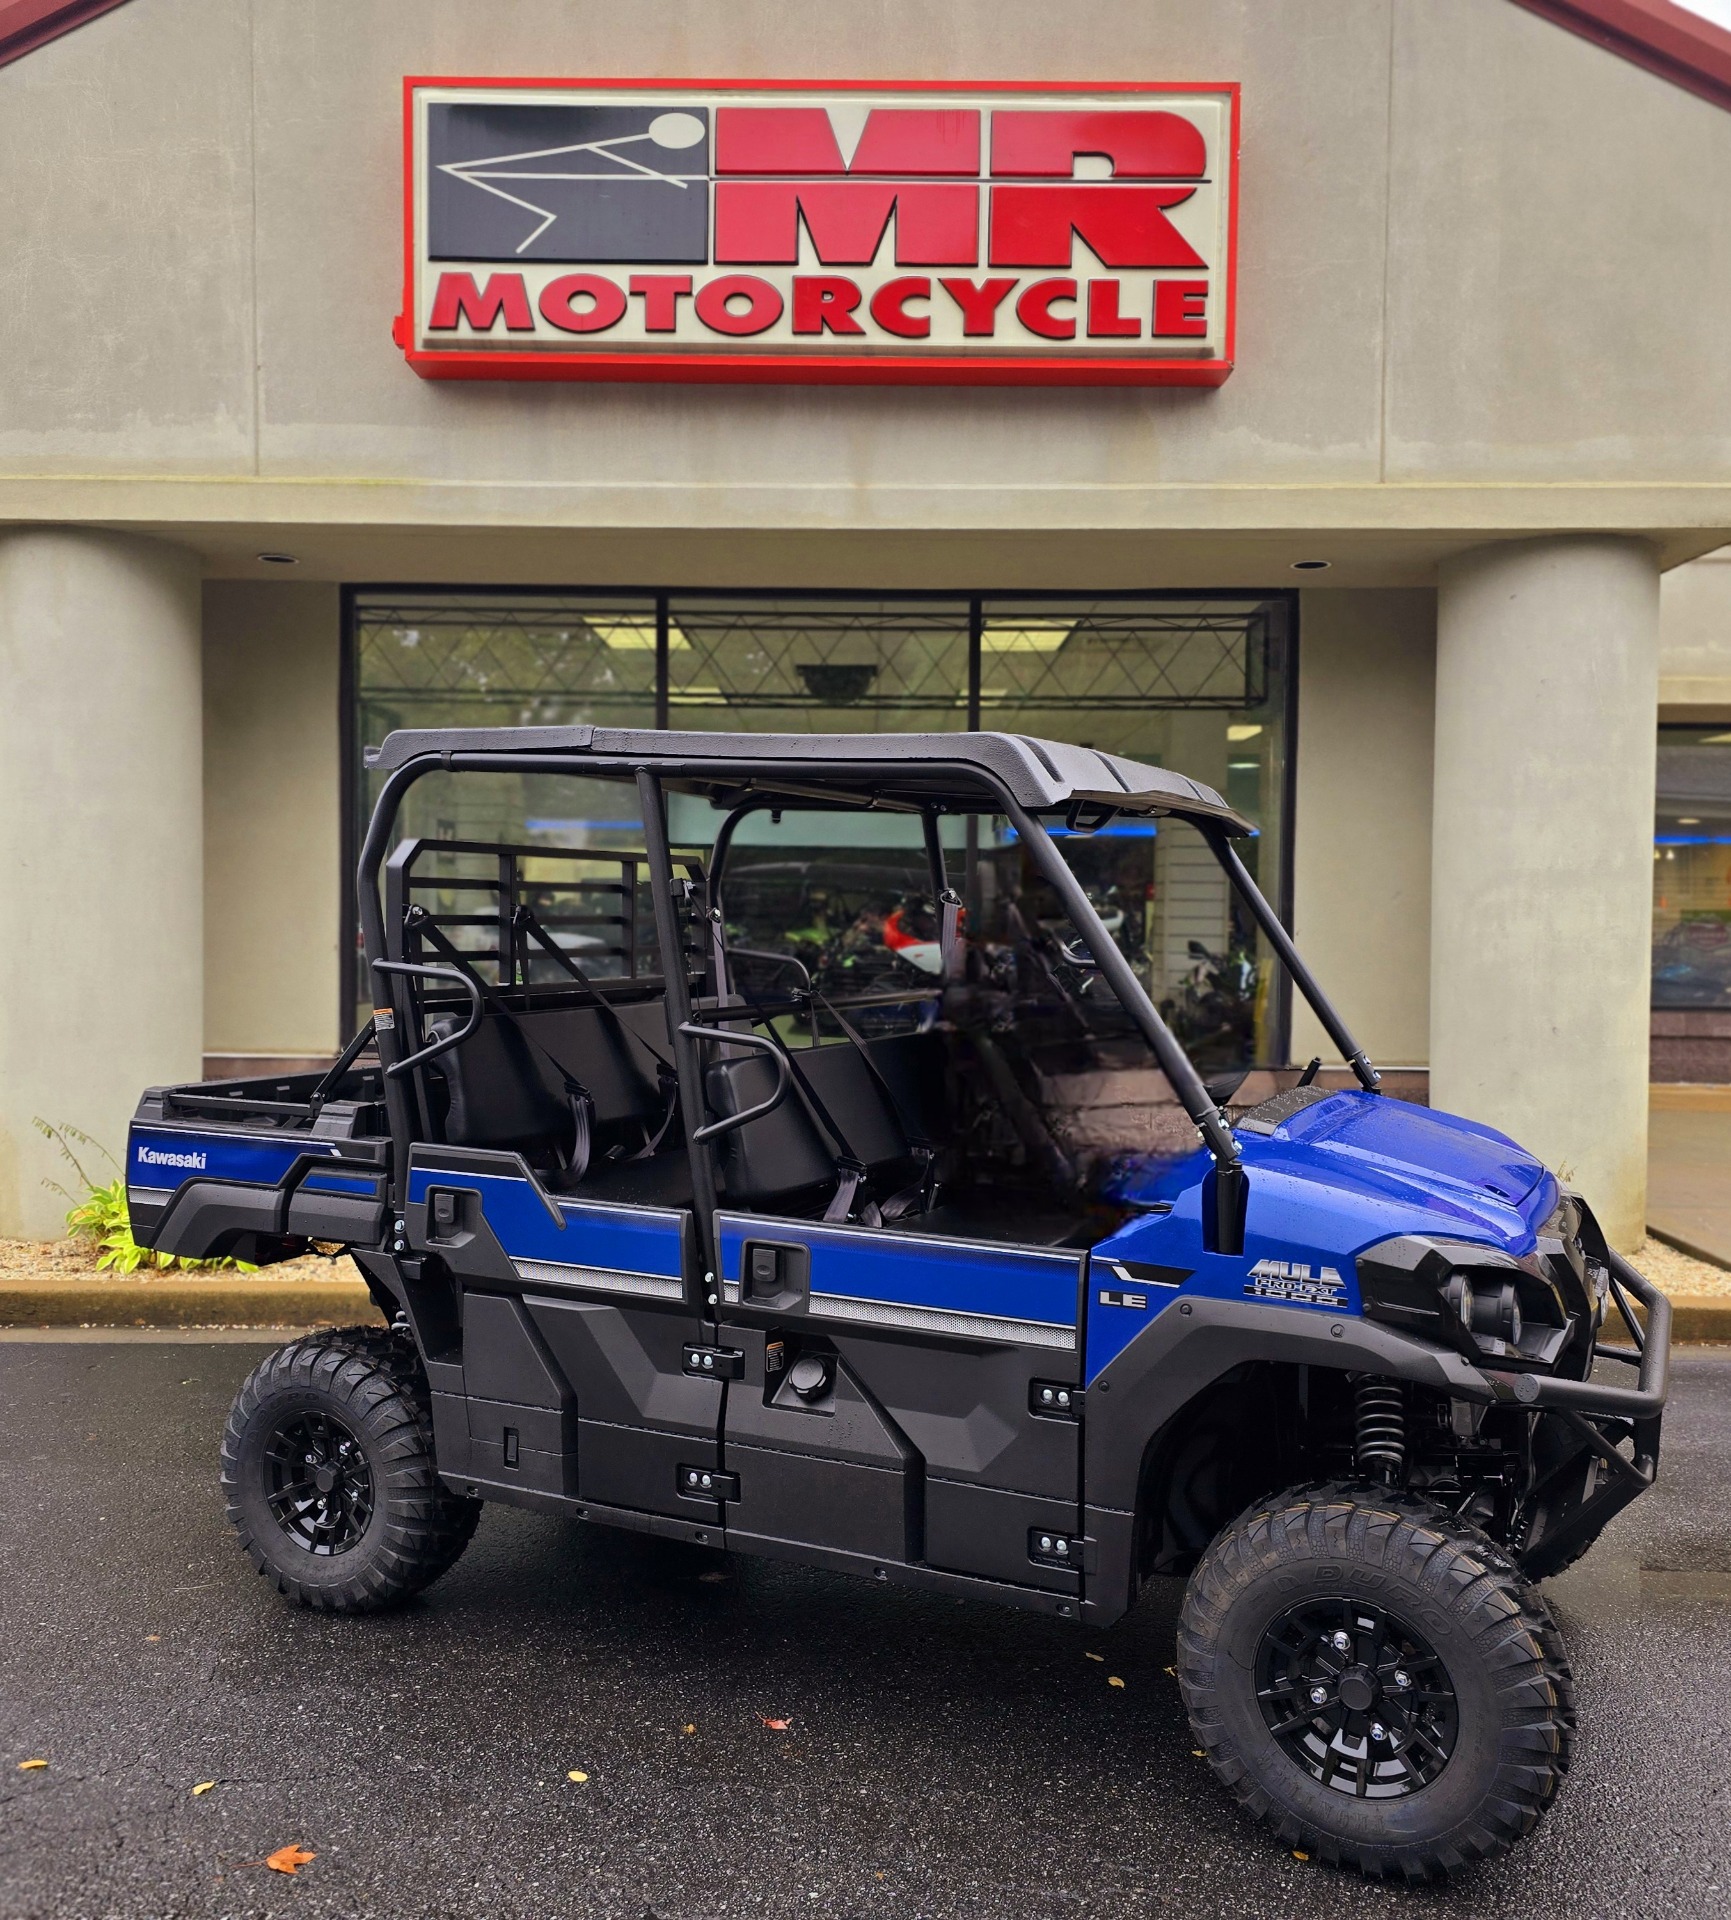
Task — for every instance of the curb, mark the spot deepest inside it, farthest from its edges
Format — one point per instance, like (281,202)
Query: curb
(1698,1320)
(223,1302)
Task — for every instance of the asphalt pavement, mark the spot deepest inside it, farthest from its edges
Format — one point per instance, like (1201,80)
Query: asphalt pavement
(941,1759)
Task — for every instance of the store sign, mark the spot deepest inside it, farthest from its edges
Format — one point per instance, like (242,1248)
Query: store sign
(847,233)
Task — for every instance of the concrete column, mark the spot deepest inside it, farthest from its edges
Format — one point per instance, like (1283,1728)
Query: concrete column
(101,845)
(1541,876)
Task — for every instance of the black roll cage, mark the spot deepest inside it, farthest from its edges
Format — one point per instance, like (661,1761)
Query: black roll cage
(769,784)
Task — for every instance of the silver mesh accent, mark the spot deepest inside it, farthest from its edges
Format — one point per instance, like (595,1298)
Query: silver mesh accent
(972,1326)
(654,1286)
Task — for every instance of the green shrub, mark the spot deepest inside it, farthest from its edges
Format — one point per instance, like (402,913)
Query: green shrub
(101,1214)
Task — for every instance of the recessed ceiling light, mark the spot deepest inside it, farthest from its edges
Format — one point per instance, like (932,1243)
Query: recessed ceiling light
(1687,820)
(1246,732)
(1311,566)
(280,559)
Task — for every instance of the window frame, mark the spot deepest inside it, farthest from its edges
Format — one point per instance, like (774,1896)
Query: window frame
(973,602)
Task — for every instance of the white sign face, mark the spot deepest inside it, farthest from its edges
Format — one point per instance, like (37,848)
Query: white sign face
(679,231)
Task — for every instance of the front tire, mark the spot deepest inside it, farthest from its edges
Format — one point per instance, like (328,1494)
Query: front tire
(1381,1685)
(327,1463)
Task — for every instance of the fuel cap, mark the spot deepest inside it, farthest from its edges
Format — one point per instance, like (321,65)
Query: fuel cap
(809,1377)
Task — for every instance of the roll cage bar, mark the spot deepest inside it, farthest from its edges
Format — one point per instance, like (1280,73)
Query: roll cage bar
(767,784)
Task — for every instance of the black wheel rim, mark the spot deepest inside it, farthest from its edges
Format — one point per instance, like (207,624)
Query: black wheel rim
(1356,1698)
(318,1483)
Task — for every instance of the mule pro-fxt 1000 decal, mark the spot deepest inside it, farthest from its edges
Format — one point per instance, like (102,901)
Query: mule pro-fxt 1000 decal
(802,231)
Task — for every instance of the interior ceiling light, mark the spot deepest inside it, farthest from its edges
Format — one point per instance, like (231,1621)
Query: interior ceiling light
(1688,820)
(1311,566)
(1036,639)
(279,559)
(637,635)
(1242,732)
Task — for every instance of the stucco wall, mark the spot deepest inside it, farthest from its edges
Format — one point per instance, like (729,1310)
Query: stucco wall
(1695,640)
(273,865)
(1361,842)
(1475,250)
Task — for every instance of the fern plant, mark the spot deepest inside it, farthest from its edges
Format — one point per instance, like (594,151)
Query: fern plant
(102,1215)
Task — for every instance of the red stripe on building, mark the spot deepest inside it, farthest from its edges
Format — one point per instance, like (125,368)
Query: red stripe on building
(1667,40)
(26,25)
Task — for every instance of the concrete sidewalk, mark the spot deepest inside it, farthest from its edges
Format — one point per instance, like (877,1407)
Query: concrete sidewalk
(1689,1170)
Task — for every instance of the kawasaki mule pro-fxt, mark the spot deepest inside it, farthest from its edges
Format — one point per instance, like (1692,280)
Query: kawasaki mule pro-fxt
(685,1223)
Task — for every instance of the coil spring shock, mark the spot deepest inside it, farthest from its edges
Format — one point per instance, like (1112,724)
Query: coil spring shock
(1380,1409)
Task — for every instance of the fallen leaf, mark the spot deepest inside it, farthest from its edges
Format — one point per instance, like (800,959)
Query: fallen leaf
(878,1876)
(1095,1656)
(153,1636)
(1112,1680)
(288,1859)
(712,1578)
(33,1766)
(1196,1753)
(1299,1856)
(204,1786)
(688,1728)
(776,1726)
(578,1775)
(1173,1671)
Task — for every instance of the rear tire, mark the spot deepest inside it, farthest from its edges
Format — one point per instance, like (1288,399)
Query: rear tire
(1451,1765)
(327,1463)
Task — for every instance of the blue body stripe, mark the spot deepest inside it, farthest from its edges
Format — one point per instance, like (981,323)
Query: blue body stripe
(626,1239)
(166,1159)
(915,1270)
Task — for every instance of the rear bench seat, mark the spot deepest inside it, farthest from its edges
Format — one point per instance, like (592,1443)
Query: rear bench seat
(504,1094)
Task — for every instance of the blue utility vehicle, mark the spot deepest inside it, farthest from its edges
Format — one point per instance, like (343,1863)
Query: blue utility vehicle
(955,1275)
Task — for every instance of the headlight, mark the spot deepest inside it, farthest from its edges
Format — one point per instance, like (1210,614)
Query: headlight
(1483,1303)
(1492,1309)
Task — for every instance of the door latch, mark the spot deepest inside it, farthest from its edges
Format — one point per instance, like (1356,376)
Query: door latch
(707,1483)
(715,1363)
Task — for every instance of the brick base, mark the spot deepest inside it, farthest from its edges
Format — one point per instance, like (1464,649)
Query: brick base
(1691,1043)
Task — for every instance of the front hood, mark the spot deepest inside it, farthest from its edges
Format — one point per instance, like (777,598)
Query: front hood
(1420,1171)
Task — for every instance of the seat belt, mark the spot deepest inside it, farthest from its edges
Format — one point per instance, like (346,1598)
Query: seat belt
(667,1078)
(949,935)
(577,1095)
(919,1194)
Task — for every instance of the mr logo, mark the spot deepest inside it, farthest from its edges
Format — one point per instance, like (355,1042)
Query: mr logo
(576,183)
(1293,1283)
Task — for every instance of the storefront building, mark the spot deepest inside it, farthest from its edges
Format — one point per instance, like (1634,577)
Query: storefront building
(1326,398)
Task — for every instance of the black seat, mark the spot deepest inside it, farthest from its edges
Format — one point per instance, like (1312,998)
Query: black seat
(663,1180)
(838,1106)
(501,1094)
(505,1086)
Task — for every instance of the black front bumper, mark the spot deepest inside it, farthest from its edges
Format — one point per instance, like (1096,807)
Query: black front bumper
(1594,1479)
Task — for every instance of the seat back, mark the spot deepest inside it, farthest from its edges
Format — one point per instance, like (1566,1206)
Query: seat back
(789,1154)
(506,1092)
(502,1094)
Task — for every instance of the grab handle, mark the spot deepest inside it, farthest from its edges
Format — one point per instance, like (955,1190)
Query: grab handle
(783,1077)
(476,1008)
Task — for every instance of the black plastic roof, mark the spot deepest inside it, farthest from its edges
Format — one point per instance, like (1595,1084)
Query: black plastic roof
(1043,775)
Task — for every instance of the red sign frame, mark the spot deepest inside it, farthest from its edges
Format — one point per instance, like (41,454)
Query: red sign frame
(851,369)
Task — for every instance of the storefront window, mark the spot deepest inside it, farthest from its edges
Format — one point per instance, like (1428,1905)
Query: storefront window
(1692,869)
(1196,683)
